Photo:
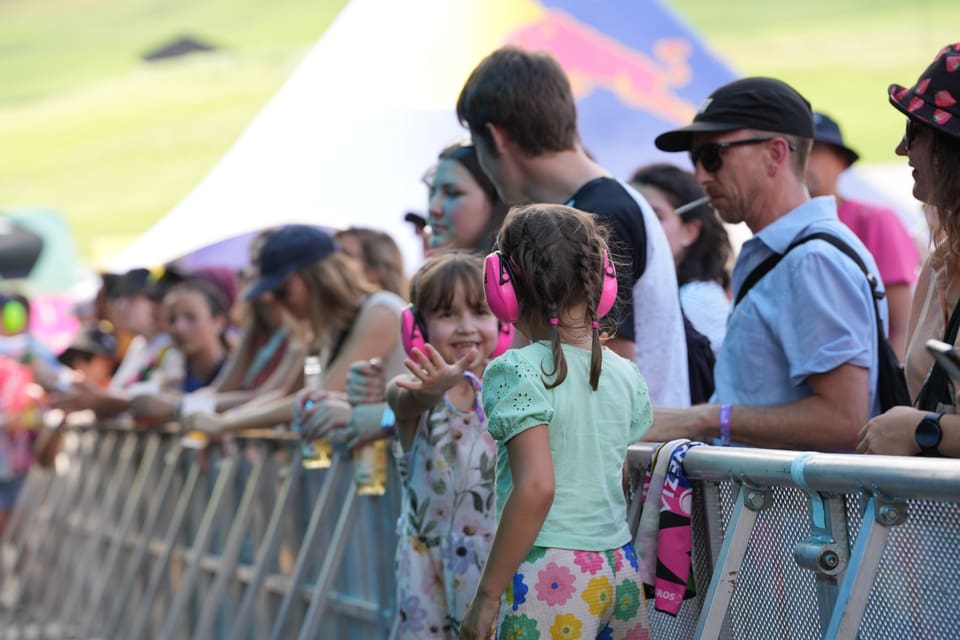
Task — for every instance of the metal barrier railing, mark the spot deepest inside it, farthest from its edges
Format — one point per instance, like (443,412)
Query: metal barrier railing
(136,537)
(811,545)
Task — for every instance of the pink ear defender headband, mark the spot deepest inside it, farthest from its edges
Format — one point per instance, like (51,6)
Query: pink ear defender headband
(413,333)
(502,297)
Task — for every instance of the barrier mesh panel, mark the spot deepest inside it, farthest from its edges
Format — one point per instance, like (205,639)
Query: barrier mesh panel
(915,593)
(775,598)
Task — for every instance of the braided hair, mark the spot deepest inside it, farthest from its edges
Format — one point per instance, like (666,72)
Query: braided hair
(556,254)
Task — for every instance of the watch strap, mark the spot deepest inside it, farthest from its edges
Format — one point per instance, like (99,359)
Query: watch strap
(928,447)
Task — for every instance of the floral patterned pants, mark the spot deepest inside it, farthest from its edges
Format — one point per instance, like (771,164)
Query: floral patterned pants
(561,593)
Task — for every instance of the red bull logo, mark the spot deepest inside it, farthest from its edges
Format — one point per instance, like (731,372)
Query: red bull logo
(594,60)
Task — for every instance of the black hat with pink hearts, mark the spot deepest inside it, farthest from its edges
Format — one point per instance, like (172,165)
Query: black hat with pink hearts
(935,98)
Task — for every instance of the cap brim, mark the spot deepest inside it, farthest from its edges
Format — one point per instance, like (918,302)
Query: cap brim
(682,139)
(262,285)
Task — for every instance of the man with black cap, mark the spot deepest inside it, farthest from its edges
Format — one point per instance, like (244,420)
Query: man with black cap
(798,366)
(879,228)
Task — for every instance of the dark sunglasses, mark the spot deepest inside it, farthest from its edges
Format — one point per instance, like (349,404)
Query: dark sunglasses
(910,132)
(280,293)
(710,155)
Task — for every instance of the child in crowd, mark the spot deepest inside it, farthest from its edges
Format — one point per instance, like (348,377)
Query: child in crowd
(563,411)
(447,463)
(197,315)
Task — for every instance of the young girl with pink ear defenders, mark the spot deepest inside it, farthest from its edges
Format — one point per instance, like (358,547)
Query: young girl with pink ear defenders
(563,411)
(447,456)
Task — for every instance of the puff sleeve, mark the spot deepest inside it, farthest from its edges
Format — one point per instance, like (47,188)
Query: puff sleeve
(514,397)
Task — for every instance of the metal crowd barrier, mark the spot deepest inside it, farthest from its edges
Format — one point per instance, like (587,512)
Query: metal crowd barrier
(135,536)
(812,545)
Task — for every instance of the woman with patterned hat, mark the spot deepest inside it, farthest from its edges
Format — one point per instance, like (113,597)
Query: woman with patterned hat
(931,144)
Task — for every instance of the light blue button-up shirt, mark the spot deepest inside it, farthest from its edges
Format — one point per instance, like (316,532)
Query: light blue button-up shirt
(810,314)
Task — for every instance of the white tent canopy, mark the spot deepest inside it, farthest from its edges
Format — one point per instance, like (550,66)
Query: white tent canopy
(345,141)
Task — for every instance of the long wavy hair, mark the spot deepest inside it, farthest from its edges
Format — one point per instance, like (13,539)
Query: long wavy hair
(945,181)
(381,256)
(337,291)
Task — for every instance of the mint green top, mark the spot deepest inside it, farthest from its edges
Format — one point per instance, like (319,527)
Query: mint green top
(589,435)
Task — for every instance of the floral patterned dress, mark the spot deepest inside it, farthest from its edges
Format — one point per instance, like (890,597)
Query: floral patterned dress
(448,520)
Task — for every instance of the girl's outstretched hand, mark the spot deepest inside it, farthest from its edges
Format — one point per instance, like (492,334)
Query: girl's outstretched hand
(434,375)
(480,618)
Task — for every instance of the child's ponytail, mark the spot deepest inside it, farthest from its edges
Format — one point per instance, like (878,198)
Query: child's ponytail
(594,280)
(559,372)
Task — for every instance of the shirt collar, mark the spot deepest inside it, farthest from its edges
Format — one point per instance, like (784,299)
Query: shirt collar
(779,234)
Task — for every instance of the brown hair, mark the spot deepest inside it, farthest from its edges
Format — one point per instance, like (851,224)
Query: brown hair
(381,255)
(435,284)
(466,156)
(527,94)
(945,181)
(216,301)
(556,257)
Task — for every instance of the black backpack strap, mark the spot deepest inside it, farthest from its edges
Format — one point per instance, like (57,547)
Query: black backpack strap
(758,272)
(767,265)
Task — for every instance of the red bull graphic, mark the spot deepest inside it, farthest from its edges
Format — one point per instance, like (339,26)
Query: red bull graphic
(593,60)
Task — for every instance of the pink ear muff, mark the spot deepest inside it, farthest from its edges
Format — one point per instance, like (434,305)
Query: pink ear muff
(411,333)
(502,297)
(608,295)
(498,287)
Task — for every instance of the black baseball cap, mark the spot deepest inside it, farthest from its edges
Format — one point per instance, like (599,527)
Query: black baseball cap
(767,104)
(286,250)
(828,131)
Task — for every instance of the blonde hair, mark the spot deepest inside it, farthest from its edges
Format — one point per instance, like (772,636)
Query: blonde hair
(337,291)
(381,256)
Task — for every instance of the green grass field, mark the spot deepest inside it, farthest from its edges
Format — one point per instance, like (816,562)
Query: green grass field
(115,143)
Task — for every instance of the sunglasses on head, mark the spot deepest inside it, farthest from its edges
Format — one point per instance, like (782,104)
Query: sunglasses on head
(710,154)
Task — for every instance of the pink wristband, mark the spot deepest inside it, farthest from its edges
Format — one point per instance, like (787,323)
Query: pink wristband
(725,424)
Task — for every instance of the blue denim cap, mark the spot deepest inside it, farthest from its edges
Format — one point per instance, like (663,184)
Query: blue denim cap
(286,250)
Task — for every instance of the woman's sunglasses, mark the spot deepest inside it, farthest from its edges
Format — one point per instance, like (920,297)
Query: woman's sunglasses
(710,155)
(910,132)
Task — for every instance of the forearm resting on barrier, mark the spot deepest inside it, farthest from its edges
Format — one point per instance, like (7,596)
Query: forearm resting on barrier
(827,420)
(253,415)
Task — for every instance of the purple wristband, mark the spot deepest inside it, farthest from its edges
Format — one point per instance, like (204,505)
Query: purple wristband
(725,424)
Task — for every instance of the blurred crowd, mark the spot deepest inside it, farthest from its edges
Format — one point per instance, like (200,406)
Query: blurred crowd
(215,351)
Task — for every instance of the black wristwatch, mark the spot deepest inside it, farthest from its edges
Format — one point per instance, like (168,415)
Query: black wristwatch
(929,434)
